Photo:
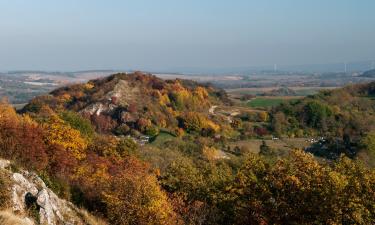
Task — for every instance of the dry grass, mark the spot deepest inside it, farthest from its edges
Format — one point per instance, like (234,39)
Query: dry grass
(9,218)
(4,189)
(90,219)
(285,144)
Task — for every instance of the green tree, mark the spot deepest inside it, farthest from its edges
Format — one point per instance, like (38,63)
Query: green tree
(368,145)
(79,123)
(316,114)
(127,146)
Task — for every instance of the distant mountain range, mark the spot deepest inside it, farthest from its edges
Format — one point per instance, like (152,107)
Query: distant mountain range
(350,67)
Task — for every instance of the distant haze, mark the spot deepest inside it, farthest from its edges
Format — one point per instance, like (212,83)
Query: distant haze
(190,35)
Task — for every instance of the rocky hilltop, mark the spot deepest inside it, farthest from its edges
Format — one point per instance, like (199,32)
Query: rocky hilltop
(134,103)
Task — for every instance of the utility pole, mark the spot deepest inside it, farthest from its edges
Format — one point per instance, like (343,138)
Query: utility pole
(345,67)
(275,67)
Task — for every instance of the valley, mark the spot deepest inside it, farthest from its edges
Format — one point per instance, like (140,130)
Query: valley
(190,112)
(190,145)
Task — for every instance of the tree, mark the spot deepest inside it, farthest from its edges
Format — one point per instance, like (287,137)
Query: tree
(266,150)
(21,139)
(79,123)
(182,176)
(263,116)
(103,123)
(143,124)
(210,153)
(123,129)
(152,131)
(236,123)
(368,145)
(279,123)
(126,147)
(60,133)
(105,146)
(299,190)
(260,131)
(316,114)
(201,93)
(137,199)
(193,121)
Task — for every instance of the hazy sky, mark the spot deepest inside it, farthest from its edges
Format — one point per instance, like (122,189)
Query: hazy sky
(170,34)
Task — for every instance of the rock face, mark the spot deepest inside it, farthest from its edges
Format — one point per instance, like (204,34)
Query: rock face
(27,190)
(122,94)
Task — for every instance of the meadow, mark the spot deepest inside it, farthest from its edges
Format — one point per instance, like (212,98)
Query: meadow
(266,102)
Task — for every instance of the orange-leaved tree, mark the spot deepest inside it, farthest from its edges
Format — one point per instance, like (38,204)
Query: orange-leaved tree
(21,139)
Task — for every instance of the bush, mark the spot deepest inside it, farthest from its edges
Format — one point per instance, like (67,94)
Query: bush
(152,131)
(123,129)
(126,147)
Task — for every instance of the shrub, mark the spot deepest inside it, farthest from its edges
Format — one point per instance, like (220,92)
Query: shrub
(123,129)
(126,147)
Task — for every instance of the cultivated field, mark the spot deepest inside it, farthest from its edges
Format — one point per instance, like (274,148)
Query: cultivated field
(268,101)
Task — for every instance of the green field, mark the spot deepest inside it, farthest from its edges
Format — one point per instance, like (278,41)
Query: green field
(265,102)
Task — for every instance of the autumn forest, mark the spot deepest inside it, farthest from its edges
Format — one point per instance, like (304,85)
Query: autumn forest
(136,149)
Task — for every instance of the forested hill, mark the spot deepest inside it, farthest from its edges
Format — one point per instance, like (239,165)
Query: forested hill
(137,102)
(81,141)
(345,117)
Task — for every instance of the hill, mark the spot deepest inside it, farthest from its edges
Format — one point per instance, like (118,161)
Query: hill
(370,73)
(343,117)
(132,103)
(198,175)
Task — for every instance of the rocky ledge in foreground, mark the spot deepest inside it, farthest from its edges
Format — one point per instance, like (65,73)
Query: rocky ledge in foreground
(28,193)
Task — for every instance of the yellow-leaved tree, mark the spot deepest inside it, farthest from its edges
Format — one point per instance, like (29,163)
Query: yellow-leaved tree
(60,133)
(300,190)
(138,199)
(193,121)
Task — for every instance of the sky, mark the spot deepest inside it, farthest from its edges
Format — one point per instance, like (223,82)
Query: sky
(169,35)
